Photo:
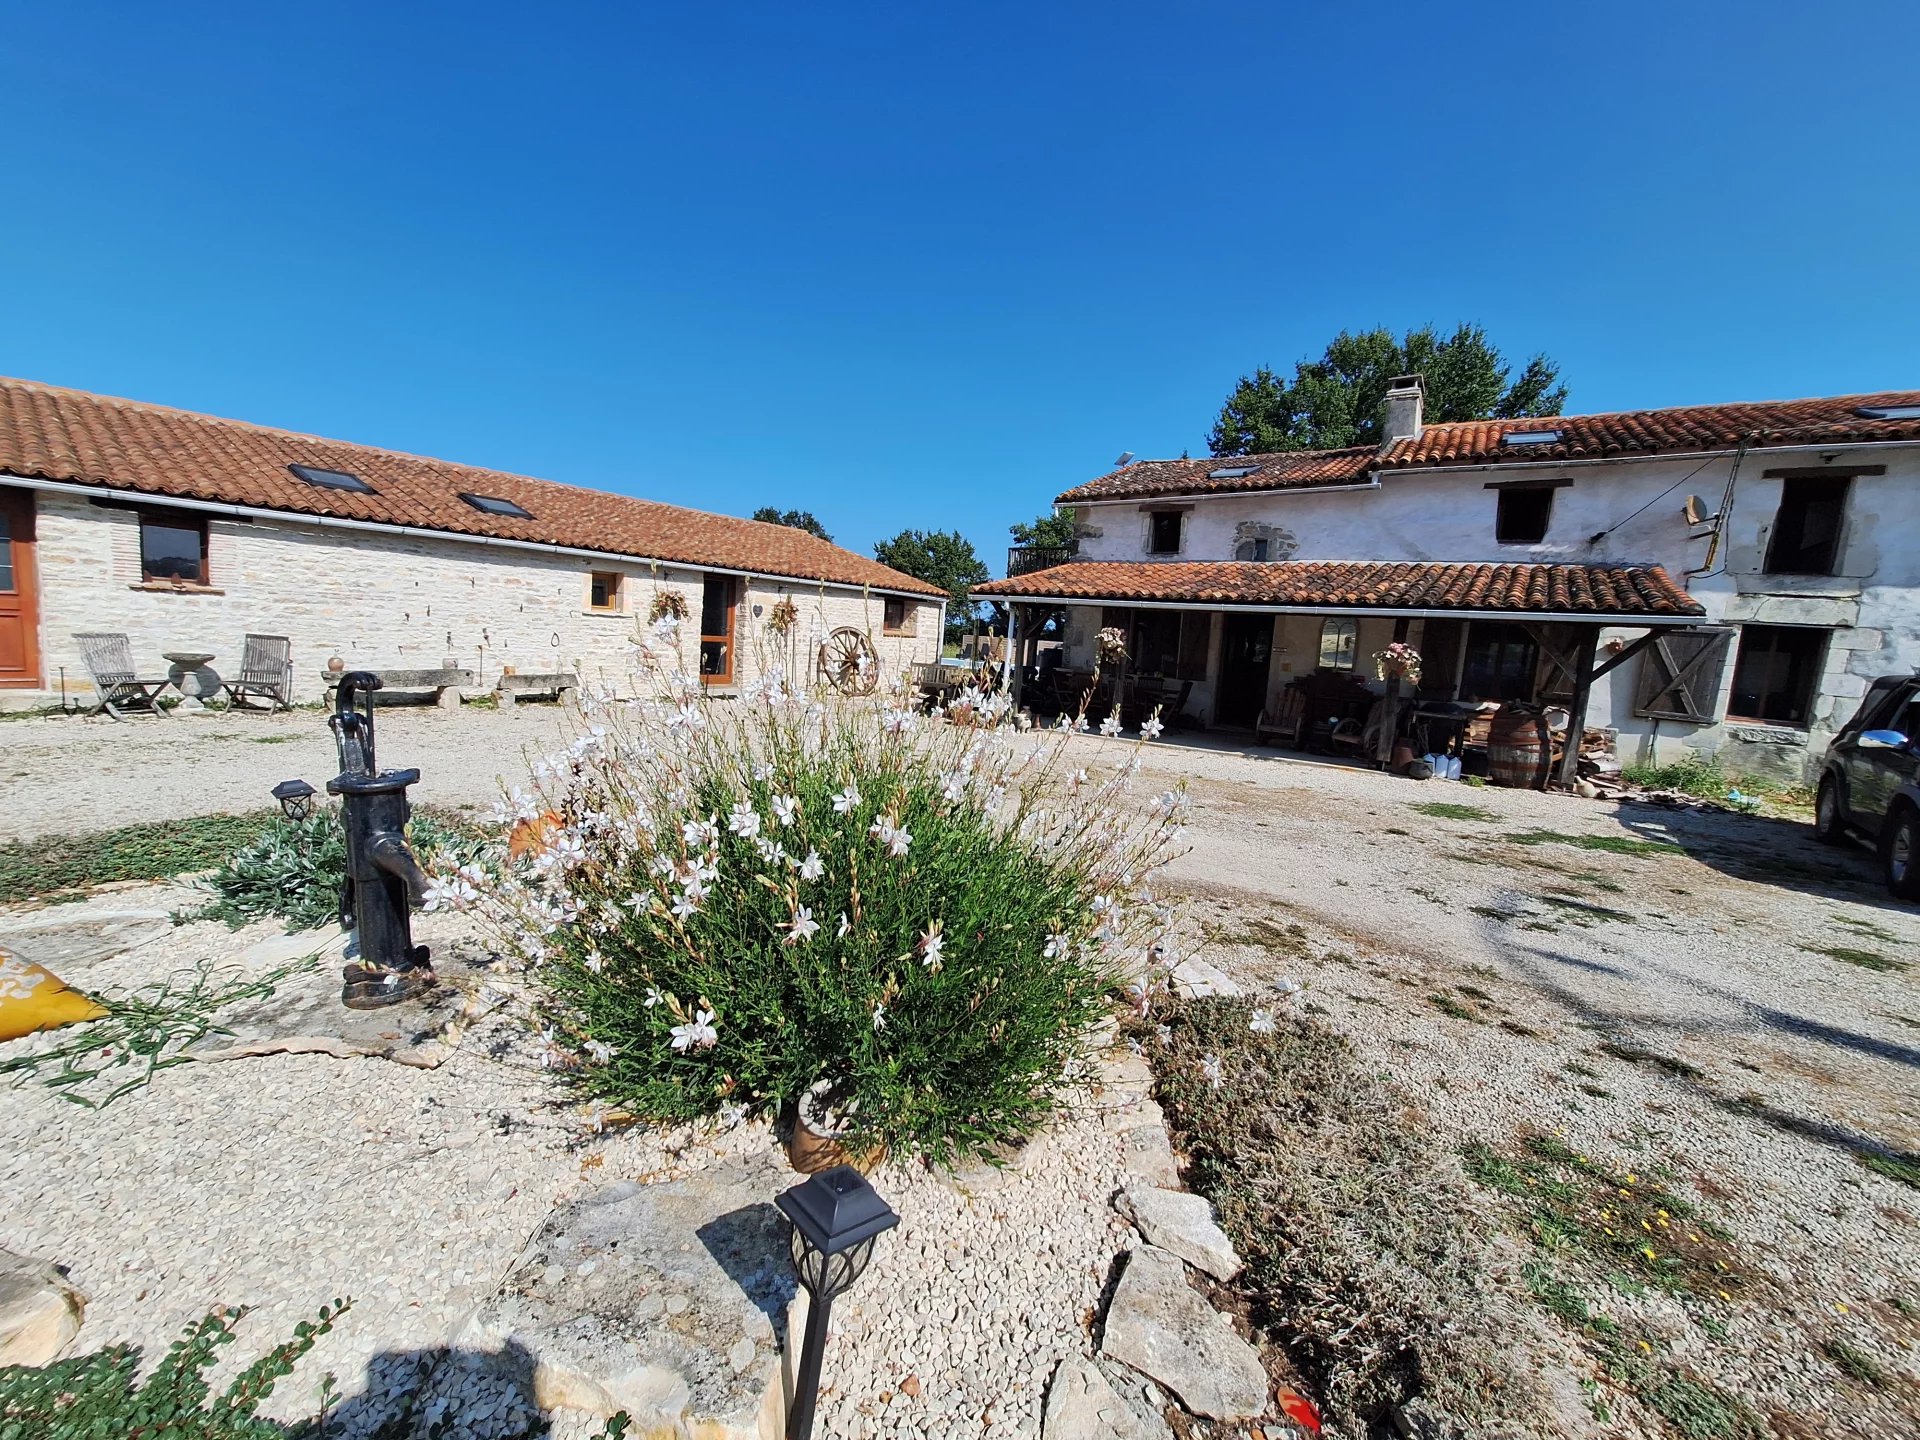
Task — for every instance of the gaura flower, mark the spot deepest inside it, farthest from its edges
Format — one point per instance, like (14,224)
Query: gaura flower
(1151,728)
(1163,1033)
(700,833)
(595,961)
(599,1051)
(848,798)
(744,821)
(879,1017)
(812,868)
(732,1113)
(803,927)
(931,941)
(845,926)
(1261,1023)
(654,996)
(1057,945)
(698,1033)
(785,807)
(1210,1069)
(1111,725)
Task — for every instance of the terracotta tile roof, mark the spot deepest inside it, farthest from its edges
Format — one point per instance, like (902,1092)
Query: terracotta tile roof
(1651,432)
(1623,434)
(1622,590)
(1295,470)
(49,433)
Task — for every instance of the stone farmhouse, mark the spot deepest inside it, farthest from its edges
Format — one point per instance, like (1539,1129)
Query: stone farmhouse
(1727,578)
(187,532)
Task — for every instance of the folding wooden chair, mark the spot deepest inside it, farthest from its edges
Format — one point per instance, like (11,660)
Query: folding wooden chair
(266,673)
(109,660)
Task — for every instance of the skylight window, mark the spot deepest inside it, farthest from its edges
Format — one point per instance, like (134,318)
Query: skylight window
(1233,472)
(1888,412)
(494,505)
(332,479)
(1532,437)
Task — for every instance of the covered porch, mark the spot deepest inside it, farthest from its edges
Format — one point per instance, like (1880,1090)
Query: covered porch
(1285,651)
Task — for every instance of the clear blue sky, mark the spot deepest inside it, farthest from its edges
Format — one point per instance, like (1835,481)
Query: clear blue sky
(929,265)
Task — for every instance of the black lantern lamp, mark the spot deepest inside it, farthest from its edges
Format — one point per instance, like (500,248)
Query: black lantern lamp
(295,797)
(836,1218)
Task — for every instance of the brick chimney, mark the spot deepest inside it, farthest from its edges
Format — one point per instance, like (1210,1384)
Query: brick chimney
(1404,394)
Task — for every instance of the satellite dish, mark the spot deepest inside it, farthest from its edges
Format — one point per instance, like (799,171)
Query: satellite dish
(1126,459)
(1696,511)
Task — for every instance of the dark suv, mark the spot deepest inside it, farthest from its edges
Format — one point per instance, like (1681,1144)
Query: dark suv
(1870,783)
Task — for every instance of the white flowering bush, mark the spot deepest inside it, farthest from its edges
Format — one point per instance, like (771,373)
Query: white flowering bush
(726,905)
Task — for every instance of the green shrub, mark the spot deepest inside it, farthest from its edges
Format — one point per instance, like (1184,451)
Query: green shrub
(101,1397)
(155,850)
(294,868)
(736,905)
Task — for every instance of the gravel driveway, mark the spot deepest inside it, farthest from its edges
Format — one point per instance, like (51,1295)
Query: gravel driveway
(1712,998)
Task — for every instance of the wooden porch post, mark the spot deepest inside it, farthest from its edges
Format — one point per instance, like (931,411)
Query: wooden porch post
(1583,675)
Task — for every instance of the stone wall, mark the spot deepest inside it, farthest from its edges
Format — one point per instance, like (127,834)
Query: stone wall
(400,602)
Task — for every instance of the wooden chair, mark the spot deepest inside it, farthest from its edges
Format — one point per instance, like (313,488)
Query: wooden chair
(266,673)
(109,660)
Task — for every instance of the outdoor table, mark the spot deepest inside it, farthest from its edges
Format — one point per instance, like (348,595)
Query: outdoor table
(190,672)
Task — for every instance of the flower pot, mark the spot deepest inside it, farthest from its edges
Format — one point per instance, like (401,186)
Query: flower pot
(816,1142)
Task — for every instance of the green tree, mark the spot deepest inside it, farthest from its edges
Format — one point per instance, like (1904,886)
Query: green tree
(1050,531)
(939,557)
(1337,400)
(797,519)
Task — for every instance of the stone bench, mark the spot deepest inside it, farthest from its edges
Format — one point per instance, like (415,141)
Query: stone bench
(399,687)
(510,688)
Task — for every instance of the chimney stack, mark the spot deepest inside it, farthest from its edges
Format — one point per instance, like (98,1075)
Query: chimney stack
(1404,395)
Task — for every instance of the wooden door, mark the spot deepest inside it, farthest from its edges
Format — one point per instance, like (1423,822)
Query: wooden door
(719,599)
(19,594)
(1246,652)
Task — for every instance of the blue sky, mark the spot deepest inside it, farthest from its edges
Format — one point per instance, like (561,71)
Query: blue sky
(917,265)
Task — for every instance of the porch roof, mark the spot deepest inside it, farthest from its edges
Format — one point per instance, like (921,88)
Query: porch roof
(1617,592)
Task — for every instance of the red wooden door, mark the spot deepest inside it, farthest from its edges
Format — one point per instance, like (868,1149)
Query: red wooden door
(19,594)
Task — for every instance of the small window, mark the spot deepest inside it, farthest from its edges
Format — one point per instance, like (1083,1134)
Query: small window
(1254,549)
(1524,512)
(604,590)
(896,616)
(1163,533)
(332,479)
(494,505)
(1233,472)
(1777,673)
(1888,412)
(1339,640)
(173,547)
(1522,438)
(1806,531)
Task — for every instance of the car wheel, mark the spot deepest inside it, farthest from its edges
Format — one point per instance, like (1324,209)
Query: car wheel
(1828,827)
(1900,854)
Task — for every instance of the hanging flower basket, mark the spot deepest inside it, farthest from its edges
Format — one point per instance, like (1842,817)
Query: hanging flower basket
(1399,661)
(667,603)
(1111,645)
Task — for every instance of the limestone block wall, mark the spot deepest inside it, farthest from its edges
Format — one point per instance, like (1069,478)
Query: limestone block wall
(396,602)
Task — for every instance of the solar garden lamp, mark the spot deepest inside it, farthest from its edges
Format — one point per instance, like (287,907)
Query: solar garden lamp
(836,1218)
(295,797)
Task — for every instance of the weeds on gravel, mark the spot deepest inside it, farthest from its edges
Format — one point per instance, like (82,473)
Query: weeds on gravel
(1611,844)
(148,1031)
(101,1396)
(1634,1055)
(57,866)
(1904,1168)
(1865,959)
(1854,1362)
(1364,1260)
(1452,810)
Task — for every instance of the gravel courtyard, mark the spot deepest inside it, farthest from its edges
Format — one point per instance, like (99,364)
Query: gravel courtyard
(1711,998)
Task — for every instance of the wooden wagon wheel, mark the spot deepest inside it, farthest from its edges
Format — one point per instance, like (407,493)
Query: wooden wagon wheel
(848,662)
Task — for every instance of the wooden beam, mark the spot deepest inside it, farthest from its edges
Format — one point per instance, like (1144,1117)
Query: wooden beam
(1631,649)
(1577,711)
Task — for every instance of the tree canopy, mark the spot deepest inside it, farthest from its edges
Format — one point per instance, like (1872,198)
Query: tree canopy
(1049,531)
(939,557)
(1337,400)
(797,519)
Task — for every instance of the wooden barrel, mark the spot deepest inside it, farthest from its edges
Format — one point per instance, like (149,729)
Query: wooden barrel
(1519,750)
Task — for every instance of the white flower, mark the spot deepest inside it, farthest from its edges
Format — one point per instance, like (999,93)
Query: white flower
(890,835)
(1101,905)
(813,867)
(694,887)
(732,1113)
(1151,728)
(803,927)
(685,905)
(1080,723)
(931,941)
(697,1034)
(762,771)
(846,800)
(785,807)
(744,821)
(1163,1033)
(1261,1023)
(879,1017)
(667,628)
(1141,994)
(1056,947)
(1111,725)
(1135,1046)
(846,926)
(599,1051)
(449,892)
(1210,1068)
(700,833)
(1288,987)
(596,962)
(896,722)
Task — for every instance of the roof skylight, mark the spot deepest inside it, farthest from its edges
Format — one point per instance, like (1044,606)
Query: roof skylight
(494,505)
(332,479)
(1888,412)
(1532,437)
(1233,472)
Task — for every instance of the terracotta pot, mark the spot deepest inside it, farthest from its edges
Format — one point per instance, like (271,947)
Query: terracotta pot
(335,665)
(815,1144)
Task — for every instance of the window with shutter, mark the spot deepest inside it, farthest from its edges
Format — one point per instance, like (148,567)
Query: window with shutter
(1680,675)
